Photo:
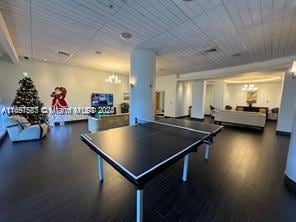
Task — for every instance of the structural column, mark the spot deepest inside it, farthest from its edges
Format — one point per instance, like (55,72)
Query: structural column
(198,99)
(290,174)
(142,84)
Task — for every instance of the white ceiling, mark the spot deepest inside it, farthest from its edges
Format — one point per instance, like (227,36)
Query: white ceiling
(177,30)
(253,77)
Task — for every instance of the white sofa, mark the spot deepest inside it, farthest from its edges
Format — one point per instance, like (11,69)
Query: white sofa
(24,131)
(241,118)
(107,122)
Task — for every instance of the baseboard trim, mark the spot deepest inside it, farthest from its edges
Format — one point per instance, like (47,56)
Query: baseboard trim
(180,117)
(282,133)
(199,119)
(77,120)
(290,184)
(70,121)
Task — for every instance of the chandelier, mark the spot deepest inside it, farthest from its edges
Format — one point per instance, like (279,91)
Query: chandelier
(114,79)
(249,87)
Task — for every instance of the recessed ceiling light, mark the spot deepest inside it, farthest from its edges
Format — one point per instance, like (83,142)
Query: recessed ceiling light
(98,52)
(126,35)
(45,59)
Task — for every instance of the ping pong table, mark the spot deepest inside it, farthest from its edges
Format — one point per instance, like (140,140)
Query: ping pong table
(144,150)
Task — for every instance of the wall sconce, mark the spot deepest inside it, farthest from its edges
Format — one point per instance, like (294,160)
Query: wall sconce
(292,71)
(132,82)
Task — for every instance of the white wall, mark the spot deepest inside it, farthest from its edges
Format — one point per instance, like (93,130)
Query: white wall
(218,94)
(183,98)
(198,99)
(168,84)
(269,95)
(79,82)
(178,95)
(161,101)
(187,98)
(288,105)
(180,99)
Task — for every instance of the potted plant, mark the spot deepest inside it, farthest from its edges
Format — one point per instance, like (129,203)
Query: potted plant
(124,107)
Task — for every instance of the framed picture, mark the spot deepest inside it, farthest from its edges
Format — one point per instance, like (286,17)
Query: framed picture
(251,97)
(126,96)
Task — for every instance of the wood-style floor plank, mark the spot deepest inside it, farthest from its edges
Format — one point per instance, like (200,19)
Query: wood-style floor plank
(56,179)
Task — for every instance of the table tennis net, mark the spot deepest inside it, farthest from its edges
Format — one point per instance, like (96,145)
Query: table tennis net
(169,128)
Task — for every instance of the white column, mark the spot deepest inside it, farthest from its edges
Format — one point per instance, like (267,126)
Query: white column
(291,161)
(198,99)
(288,102)
(142,81)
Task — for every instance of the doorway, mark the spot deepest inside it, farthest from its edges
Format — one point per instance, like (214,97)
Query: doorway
(159,103)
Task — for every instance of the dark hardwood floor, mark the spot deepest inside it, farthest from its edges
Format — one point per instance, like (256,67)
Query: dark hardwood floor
(56,179)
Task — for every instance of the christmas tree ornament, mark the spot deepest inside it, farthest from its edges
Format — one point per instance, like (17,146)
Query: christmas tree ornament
(27,98)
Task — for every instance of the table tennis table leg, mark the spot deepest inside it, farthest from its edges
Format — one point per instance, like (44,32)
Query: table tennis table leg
(185,168)
(100,168)
(139,211)
(207,150)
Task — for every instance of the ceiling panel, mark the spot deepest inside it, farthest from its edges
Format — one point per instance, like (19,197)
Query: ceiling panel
(242,31)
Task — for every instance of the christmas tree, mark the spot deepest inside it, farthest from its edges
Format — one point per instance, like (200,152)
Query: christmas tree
(27,102)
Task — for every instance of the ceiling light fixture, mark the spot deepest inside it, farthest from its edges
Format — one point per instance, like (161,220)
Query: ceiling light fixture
(126,35)
(249,87)
(45,59)
(113,79)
